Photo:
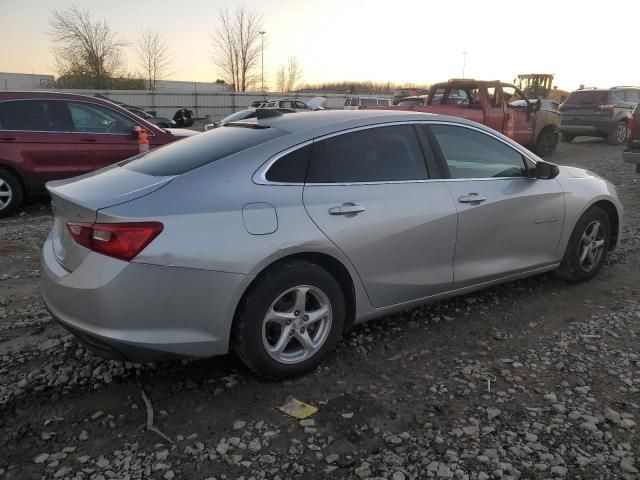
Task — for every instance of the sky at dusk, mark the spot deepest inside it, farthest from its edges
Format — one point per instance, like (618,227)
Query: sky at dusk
(581,42)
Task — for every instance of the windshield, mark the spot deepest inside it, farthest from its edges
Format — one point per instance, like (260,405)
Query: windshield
(190,153)
(241,115)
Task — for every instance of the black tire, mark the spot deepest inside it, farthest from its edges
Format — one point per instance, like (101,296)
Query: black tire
(9,185)
(567,137)
(247,332)
(571,269)
(618,135)
(546,142)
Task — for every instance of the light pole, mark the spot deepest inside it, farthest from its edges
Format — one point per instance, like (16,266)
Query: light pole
(262,32)
(464,62)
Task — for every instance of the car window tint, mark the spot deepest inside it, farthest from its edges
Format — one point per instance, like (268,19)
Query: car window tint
(378,154)
(34,115)
(290,168)
(92,118)
(473,154)
(633,96)
(187,154)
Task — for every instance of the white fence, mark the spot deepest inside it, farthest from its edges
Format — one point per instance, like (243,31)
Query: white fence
(213,106)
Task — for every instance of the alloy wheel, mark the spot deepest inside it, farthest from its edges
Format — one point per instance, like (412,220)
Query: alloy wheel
(6,194)
(621,132)
(297,324)
(591,246)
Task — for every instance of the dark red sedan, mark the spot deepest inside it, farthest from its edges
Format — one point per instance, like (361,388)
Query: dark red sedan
(48,136)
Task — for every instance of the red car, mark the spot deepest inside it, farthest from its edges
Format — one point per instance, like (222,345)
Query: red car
(48,136)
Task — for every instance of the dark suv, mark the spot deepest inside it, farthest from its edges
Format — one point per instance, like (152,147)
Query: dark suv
(598,113)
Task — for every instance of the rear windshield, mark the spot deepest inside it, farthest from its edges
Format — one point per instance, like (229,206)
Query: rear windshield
(587,97)
(190,153)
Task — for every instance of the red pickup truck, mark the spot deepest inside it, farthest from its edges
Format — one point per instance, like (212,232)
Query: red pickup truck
(498,105)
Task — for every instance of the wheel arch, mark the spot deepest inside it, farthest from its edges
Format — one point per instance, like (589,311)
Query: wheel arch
(4,165)
(331,264)
(614,219)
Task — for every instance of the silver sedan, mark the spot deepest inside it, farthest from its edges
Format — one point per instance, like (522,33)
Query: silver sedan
(273,236)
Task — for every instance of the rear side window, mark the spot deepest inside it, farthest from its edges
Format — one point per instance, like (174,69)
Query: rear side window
(587,97)
(290,168)
(92,118)
(379,154)
(190,153)
(34,116)
(473,154)
(633,96)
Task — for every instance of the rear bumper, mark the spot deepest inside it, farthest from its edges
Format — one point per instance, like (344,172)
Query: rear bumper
(140,312)
(587,127)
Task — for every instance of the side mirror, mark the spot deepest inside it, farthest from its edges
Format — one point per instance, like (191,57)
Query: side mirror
(546,170)
(135,131)
(533,106)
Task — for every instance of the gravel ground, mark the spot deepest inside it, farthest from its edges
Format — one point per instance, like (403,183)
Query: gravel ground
(404,397)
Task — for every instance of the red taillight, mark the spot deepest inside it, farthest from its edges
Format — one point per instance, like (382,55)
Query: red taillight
(605,108)
(118,240)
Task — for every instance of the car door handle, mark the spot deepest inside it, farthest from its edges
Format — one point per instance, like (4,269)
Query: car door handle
(9,139)
(349,209)
(473,198)
(89,140)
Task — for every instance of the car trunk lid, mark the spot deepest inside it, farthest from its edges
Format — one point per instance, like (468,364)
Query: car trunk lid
(78,200)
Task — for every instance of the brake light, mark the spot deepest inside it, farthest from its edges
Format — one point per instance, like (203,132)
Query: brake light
(605,108)
(119,240)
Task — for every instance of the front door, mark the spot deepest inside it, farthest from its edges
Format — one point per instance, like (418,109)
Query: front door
(507,222)
(367,191)
(517,106)
(102,135)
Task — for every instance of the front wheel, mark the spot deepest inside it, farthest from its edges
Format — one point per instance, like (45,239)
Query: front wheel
(546,142)
(10,193)
(290,320)
(587,248)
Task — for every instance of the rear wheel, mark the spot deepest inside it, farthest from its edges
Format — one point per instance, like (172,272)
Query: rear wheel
(587,248)
(567,137)
(11,193)
(290,320)
(618,135)
(546,142)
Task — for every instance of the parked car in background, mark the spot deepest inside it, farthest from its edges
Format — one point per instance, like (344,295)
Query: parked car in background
(243,115)
(316,103)
(598,113)
(501,106)
(401,93)
(162,122)
(272,236)
(353,103)
(419,100)
(632,152)
(48,136)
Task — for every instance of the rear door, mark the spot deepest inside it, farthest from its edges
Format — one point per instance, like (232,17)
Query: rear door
(517,106)
(102,135)
(368,191)
(507,222)
(36,135)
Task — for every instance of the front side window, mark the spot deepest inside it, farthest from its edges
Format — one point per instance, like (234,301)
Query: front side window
(92,118)
(378,154)
(473,154)
(513,97)
(34,116)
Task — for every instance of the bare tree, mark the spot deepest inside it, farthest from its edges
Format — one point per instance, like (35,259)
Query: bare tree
(236,46)
(281,79)
(85,47)
(154,57)
(294,74)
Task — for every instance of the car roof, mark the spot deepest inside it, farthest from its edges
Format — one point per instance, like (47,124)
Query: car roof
(336,120)
(31,94)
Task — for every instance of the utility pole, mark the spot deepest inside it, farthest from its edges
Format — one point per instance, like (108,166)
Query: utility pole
(464,62)
(262,32)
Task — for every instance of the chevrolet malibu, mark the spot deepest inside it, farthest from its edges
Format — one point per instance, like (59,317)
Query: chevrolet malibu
(273,236)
